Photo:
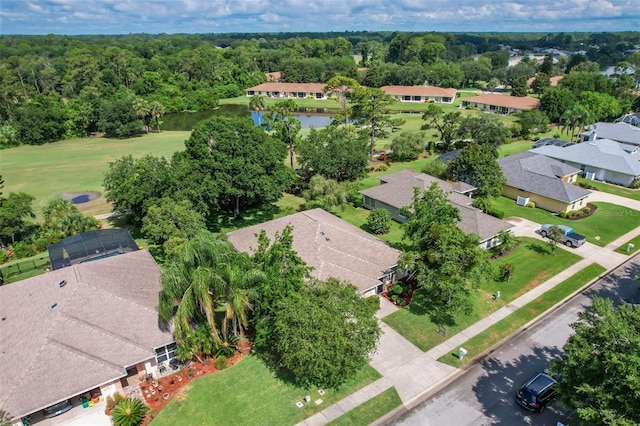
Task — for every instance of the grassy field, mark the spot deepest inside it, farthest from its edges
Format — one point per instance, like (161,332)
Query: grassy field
(634,194)
(77,165)
(370,410)
(534,264)
(636,246)
(600,228)
(492,335)
(249,394)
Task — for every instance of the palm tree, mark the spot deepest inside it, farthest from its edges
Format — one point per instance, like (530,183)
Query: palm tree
(188,285)
(257,104)
(129,412)
(143,110)
(156,110)
(575,118)
(236,281)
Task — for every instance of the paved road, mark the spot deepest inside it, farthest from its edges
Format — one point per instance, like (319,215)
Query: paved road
(484,395)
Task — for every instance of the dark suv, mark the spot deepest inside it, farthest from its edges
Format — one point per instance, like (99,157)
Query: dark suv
(537,392)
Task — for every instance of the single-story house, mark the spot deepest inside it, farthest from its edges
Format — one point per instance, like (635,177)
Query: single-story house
(288,90)
(396,192)
(620,132)
(501,104)
(87,328)
(600,159)
(545,181)
(333,247)
(421,94)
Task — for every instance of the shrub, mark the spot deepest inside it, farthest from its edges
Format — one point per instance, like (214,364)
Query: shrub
(506,270)
(396,289)
(379,221)
(3,256)
(635,184)
(382,167)
(531,204)
(563,215)
(114,400)
(221,362)
(435,169)
(129,412)
(22,249)
(586,210)
(495,213)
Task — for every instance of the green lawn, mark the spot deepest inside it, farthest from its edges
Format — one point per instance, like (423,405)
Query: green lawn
(249,394)
(602,224)
(634,194)
(77,165)
(534,264)
(492,335)
(514,148)
(371,410)
(636,246)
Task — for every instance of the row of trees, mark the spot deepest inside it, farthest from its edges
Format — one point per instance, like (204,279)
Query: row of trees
(60,86)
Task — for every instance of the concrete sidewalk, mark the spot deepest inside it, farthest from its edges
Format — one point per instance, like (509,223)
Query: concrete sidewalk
(414,373)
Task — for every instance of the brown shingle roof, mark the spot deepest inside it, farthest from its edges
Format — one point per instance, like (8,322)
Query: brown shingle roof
(420,91)
(333,247)
(105,319)
(288,87)
(524,102)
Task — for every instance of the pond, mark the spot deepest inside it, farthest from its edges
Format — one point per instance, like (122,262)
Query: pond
(319,117)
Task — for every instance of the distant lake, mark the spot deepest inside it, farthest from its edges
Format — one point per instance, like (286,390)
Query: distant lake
(188,120)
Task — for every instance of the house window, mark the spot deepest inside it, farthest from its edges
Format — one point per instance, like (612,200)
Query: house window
(165,353)
(368,201)
(406,98)
(417,98)
(250,93)
(447,100)
(319,95)
(401,216)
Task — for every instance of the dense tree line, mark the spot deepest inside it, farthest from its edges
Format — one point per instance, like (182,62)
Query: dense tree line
(55,87)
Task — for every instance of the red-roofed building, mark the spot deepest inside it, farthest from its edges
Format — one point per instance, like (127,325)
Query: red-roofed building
(501,104)
(421,93)
(288,90)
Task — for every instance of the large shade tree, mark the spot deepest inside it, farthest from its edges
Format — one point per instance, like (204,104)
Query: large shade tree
(324,334)
(600,367)
(370,111)
(334,152)
(239,161)
(477,166)
(447,262)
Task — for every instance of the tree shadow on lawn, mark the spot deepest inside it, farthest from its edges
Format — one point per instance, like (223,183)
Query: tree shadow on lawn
(422,304)
(538,248)
(224,222)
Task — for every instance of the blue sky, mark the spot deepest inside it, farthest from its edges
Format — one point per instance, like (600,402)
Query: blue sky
(223,16)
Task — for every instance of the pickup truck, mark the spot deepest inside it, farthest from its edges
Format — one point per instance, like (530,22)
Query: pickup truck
(569,238)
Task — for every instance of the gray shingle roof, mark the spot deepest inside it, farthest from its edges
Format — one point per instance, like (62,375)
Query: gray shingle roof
(396,190)
(333,247)
(620,132)
(541,175)
(601,153)
(105,319)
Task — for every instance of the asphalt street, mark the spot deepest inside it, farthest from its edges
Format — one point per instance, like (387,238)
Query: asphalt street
(484,394)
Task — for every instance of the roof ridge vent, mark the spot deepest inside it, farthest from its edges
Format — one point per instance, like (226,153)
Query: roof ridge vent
(62,283)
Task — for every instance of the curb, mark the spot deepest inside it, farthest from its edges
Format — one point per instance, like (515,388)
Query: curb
(422,396)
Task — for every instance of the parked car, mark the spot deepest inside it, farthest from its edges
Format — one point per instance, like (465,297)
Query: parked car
(537,392)
(57,409)
(569,238)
